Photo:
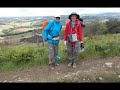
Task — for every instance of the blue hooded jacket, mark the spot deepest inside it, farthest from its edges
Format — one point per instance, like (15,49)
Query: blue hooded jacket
(51,30)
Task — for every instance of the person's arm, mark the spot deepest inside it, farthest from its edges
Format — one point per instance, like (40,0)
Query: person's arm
(46,29)
(61,27)
(80,33)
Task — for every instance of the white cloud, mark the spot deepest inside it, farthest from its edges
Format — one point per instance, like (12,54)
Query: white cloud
(52,11)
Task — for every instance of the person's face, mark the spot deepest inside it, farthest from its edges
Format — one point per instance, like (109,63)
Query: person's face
(57,19)
(73,17)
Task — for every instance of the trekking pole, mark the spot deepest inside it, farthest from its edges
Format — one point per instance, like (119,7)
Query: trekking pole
(37,35)
(41,36)
(43,41)
(34,36)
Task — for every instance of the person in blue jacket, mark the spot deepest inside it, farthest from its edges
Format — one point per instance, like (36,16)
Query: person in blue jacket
(51,35)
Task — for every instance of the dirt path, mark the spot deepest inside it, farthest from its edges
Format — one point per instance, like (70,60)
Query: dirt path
(102,70)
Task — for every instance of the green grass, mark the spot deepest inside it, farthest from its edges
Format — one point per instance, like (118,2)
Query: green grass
(29,55)
(22,56)
(101,46)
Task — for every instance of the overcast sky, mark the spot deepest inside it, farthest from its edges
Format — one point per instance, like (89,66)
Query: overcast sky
(52,11)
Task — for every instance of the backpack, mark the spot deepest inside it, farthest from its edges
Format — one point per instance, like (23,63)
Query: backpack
(44,24)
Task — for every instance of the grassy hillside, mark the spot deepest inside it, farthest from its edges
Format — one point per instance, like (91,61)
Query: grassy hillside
(29,55)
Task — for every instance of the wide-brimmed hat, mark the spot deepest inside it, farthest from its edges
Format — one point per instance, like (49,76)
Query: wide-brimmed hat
(73,13)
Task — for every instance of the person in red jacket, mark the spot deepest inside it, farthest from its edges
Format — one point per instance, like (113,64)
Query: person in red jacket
(73,38)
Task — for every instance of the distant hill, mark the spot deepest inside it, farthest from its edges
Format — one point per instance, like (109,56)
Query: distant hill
(101,16)
(112,14)
(2,24)
(64,18)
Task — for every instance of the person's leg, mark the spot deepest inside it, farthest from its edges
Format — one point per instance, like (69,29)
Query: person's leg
(51,55)
(75,55)
(56,47)
(70,55)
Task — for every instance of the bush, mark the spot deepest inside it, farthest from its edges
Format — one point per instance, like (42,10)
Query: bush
(20,56)
(94,28)
(97,27)
(113,26)
(101,47)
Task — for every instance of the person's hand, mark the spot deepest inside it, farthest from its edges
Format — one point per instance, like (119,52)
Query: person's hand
(65,42)
(81,41)
(81,44)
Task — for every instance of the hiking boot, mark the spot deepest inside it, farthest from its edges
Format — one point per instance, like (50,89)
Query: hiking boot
(74,65)
(55,63)
(51,66)
(69,64)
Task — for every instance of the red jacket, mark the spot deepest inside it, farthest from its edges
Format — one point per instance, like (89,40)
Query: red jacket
(77,29)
